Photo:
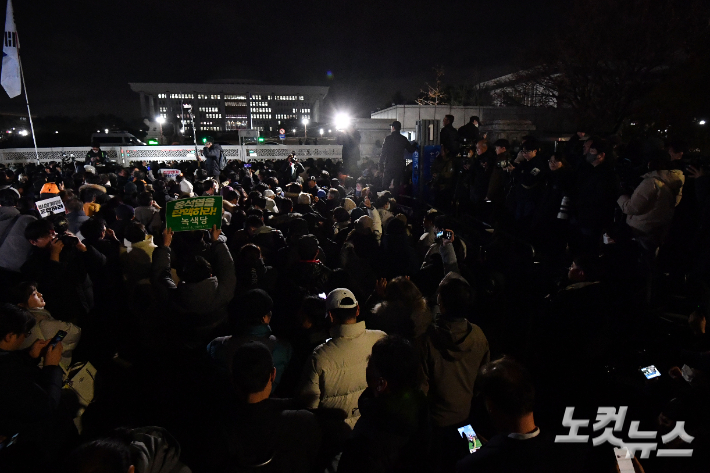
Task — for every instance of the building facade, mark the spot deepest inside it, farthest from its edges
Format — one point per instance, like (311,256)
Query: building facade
(228,107)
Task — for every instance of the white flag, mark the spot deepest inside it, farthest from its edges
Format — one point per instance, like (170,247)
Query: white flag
(10,59)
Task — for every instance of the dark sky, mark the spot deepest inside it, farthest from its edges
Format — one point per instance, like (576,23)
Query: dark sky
(79,56)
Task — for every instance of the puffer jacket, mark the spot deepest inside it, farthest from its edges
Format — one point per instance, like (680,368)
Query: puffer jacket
(653,203)
(15,250)
(46,328)
(334,376)
(451,355)
(154,450)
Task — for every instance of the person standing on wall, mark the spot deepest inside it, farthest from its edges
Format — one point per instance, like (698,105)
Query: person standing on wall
(213,158)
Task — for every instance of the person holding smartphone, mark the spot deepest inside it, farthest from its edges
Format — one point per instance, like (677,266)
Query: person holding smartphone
(29,396)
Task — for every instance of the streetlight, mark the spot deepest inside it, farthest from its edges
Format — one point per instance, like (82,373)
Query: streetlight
(701,122)
(160,120)
(321,132)
(342,121)
(305,127)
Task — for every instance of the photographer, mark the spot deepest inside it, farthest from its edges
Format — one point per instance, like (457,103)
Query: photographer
(58,264)
(95,156)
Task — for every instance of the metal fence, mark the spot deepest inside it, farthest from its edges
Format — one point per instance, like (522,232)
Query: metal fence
(125,155)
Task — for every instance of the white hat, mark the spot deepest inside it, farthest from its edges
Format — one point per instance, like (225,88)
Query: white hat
(340,298)
(90,168)
(186,187)
(304,198)
(269,194)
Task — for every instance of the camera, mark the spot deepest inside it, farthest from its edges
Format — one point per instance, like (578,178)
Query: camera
(61,227)
(503,164)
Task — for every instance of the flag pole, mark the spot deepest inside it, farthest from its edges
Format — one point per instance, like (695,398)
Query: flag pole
(27,100)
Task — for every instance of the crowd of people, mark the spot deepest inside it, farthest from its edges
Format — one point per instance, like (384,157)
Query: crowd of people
(334,323)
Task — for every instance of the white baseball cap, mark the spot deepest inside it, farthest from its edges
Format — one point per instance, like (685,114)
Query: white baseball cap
(340,298)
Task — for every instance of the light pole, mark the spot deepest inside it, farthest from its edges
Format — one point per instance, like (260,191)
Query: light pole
(305,127)
(161,120)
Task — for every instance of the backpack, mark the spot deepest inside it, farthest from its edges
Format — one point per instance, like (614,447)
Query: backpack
(222,160)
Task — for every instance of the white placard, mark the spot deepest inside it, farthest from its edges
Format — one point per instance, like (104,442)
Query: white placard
(170,174)
(51,206)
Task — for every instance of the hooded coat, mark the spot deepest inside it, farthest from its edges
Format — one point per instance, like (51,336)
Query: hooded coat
(451,354)
(650,208)
(201,304)
(15,249)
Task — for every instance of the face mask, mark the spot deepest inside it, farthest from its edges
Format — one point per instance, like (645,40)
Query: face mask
(591,158)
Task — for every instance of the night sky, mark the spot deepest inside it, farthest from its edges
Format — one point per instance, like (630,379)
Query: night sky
(79,56)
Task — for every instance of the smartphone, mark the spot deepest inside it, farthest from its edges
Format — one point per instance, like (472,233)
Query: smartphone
(466,432)
(445,234)
(58,337)
(247,165)
(650,372)
(322,295)
(147,168)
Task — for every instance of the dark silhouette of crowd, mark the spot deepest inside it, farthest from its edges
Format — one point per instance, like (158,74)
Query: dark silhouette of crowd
(335,323)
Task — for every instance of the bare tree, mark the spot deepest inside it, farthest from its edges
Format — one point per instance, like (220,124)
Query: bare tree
(434,95)
(609,57)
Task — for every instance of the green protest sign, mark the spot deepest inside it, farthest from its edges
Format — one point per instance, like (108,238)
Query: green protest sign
(195,213)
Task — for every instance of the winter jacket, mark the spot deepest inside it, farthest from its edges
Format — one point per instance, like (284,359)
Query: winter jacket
(653,202)
(334,376)
(75,219)
(593,200)
(28,395)
(391,436)
(47,327)
(15,249)
(393,148)
(222,349)
(311,276)
(154,450)
(271,431)
(397,318)
(149,216)
(137,259)
(451,354)
(203,303)
(469,134)
(450,139)
(211,162)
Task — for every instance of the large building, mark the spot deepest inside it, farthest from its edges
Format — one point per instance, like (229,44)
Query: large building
(225,107)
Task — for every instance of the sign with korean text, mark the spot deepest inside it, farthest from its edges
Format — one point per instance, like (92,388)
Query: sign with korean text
(170,174)
(195,213)
(51,206)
